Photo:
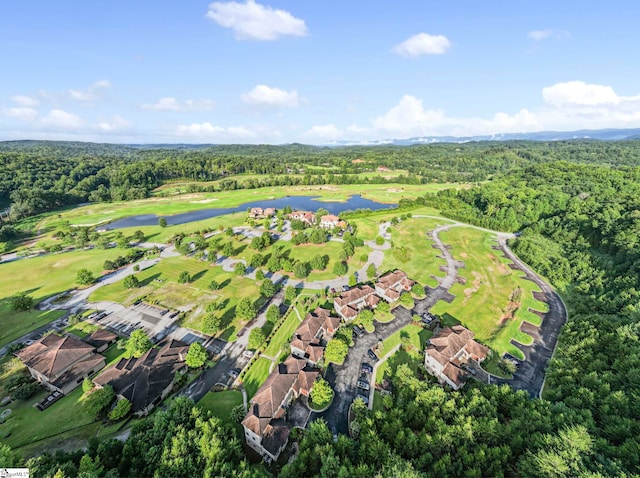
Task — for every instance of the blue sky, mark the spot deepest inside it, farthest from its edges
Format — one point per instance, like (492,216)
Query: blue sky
(278,71)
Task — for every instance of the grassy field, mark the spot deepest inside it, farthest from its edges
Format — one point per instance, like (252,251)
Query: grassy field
(422,260)
(368,226)
(256,375)
(42,277)
(220,404)
(283,335)
(483,304)
(82,329)
(160,283)
(416,338)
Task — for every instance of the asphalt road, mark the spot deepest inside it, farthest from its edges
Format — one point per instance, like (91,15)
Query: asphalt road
(531,372)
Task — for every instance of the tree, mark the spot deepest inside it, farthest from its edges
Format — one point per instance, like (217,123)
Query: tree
(109,265)
(383,306)
(196,356)
(162,222)
(213,285)
(87,385)
(85,277)
(301,269)
(256,338)
(245,309)
(138,343)
(239,269)
(228,249)
(267,288)
(366,318)
(121,410)
(138,236)
(321,393)
(379,240)
(21,302)
(273,313)
(259,274)
(184,277)
(406,300)
(257,260)
(211,324)
(371,271)
(417,290)
(352,280)
(290,293)
(336,351)
(98,400)
(237,413)
(9,458)
(340,268)
(131,282)
(319,263)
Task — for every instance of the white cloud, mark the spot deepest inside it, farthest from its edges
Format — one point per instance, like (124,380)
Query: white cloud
(253,21)
(25,101)
(538,35)
(423,44)
(207,131)
(327,131)
(21,113)
(579,93)
(92,93)
(117,122)
(267,96)
(62,119)
(169,103)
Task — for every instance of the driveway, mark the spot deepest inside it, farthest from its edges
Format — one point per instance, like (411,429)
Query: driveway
(531,372)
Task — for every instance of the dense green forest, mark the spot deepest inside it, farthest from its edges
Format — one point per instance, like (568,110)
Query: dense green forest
(577,207)
(37,176)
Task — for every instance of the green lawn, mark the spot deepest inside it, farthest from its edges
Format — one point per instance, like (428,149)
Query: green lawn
(160,283)
(368,226)
(256,375)
(283,335)
(422,260)
(483,303)
(220,404)
(82,329)
(417,339)
(27,425)
(42,277)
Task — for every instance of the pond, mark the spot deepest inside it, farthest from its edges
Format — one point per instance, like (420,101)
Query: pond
(303,203)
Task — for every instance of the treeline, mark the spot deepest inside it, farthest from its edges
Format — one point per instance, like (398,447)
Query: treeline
(37,176)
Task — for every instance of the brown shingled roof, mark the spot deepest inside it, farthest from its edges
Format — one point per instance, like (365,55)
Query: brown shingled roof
(354,294)
(100,337)
(53,354)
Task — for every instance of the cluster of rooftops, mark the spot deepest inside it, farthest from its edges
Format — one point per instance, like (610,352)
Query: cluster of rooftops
(327,221)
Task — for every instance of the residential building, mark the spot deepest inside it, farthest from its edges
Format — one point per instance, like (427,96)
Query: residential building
(354,300)
(61,363)
(331,221)
(147,380)
(310,337)
(259,213)
(391,285)
(307,217)
(265,426)
(450,348)
(101,339)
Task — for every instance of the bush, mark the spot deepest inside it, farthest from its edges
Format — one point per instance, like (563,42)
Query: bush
(26,391)
(121,410)
(379,240)
(162,222)
(87,385)
(109,265)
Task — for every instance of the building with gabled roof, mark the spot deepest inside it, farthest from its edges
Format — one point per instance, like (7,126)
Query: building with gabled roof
(391,285)
(352,301)
(61,363)
(331,221)
(310,336)
(307,217)
(259,213)
(101,339)
(147,380)
(265,427)
(447,350)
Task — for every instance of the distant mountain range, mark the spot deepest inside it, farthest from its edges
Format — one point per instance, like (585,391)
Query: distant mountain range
(599,134)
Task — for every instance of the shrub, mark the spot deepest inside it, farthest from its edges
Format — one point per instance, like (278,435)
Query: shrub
(121,410)
(26,390)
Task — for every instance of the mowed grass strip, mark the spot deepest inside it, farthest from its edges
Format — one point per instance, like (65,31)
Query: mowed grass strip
(482,304)
(417,338)
(160,283)
(256,375)
(283,335)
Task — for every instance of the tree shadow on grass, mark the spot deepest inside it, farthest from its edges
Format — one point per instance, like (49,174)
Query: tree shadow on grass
(149,279)
(449,320)
(399,358)
(198,275)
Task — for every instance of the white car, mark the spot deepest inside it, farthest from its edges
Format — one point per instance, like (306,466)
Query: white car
(247,353)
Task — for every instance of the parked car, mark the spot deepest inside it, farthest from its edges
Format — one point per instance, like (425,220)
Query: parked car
(363,385)
(234,373)
(345,288)
(364,397)
(366,368)
(248,353)
(466,367)
(372,355)
(359,331)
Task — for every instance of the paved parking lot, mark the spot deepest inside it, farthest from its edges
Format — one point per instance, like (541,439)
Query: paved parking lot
(153,320)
